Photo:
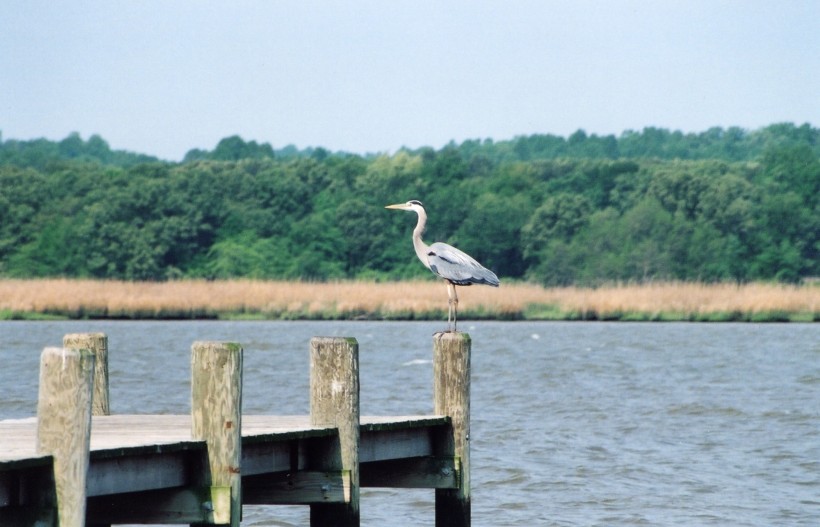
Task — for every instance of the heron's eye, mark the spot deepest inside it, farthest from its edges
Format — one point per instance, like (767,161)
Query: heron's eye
(415,202)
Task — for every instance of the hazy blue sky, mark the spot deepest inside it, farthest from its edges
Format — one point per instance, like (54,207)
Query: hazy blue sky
(163,77)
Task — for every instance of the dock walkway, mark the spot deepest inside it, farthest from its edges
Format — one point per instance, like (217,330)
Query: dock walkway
(201,468)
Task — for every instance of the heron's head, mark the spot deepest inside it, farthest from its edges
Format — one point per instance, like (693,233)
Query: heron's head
(413,205)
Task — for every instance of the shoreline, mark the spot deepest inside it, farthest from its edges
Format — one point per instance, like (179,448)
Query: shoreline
(81,299)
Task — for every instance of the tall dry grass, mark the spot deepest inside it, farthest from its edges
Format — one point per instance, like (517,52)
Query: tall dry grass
(689,301)
(420,299)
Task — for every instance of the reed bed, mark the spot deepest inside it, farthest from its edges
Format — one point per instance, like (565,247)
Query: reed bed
(192,299)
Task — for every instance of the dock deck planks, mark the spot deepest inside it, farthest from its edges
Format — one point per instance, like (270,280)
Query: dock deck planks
(143,432)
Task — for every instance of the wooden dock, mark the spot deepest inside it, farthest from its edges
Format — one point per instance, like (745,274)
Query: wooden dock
(74,465)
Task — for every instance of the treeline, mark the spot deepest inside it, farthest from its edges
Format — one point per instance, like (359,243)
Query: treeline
(725,204)
(39,153)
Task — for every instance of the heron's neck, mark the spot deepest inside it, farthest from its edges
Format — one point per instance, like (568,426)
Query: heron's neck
(421,248)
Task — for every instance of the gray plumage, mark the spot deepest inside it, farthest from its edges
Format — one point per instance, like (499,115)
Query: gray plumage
(457,266)
(444,260)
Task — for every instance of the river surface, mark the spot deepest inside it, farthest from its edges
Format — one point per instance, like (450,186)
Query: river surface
(572,423)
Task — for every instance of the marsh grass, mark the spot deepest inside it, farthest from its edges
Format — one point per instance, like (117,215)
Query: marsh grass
(418,300)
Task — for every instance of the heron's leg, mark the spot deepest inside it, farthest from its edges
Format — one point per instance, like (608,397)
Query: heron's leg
(452,300)
(453,305)
(455,310)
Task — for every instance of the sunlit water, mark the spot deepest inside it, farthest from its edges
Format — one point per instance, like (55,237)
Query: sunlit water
(572,423)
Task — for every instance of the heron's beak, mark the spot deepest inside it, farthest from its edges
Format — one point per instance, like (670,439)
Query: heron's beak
(400,206)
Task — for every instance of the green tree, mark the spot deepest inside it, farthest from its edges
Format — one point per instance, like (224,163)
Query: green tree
(491,233)
(560,217)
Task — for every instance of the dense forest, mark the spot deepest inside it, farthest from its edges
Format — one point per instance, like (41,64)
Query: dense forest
(724,204)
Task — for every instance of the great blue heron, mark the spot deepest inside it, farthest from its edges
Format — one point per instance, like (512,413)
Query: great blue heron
(454,266)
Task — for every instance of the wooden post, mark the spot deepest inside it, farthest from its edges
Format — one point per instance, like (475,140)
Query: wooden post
(334,400)
(451,370)
(64,426)
(216,409)
(97,344)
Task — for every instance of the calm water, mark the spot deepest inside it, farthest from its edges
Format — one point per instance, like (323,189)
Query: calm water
(572,424)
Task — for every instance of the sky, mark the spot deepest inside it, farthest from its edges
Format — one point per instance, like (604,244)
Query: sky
(161,78)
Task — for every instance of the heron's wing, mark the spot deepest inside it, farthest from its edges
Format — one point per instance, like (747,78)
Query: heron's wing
(457,266)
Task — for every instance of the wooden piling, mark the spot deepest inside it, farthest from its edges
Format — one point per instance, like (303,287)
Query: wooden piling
(451,370)
(334,400)
(97,344)
(216,410)
(64,426)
